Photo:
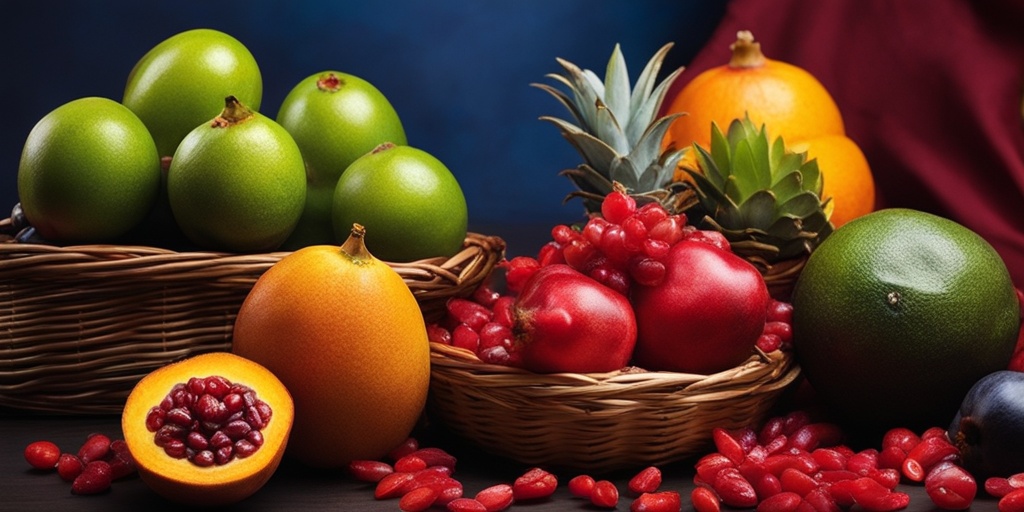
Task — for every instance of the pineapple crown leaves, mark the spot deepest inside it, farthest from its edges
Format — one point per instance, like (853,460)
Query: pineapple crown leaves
(617,131)
(762,197)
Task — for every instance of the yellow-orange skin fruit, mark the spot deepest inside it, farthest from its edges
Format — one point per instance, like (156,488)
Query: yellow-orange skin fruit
(343,331)
(789,100)
(182,481)
(846,175)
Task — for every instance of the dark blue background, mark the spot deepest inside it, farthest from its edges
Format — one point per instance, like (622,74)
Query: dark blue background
(458,72)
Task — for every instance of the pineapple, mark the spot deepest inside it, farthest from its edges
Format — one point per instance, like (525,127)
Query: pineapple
(618,133)
(764,199)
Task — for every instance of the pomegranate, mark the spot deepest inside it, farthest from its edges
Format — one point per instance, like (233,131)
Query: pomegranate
(565,321)
(705,316)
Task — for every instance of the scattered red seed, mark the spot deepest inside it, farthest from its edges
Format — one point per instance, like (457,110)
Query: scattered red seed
(605,494)
(371,471)
(94,479)
(42,455)
(705,500)
(534,484)
(69,466)
(466,505)
(418,500)
(646,481)
(664,501)
(581,486)
(496,497)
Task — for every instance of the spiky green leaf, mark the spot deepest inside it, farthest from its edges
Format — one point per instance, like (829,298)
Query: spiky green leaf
(616,88)
(646,82)
(758,211)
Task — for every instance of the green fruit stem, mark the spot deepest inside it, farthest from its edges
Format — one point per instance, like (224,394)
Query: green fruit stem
(745,52)
(354,247)
(234,113)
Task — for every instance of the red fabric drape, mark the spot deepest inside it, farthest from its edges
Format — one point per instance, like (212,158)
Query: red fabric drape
(929,89)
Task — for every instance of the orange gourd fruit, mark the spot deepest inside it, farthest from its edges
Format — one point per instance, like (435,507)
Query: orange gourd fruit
(150,431)
(846,175)
(788,99)
(792,104)
(345,334)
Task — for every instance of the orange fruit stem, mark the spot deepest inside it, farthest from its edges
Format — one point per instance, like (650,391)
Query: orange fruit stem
(745,52)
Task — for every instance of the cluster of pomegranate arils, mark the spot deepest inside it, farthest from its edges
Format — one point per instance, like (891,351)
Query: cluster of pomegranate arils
(626,245)
(96,465)
(209,421)
(422,478)
(790,464)
(793,463)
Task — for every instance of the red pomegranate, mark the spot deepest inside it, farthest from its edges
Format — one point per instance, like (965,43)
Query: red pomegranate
(565,321)
(705,316)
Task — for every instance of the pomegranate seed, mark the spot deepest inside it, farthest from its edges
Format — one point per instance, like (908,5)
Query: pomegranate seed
(794,420)
(613,245)
(485,296)
(449,489)
(418,500)
(929,452)
(769,342)
(466,505)
(436,457)
(534,484)
(766,485)
(998,486)
(371,471)
(94,479)
(617,207)
(120,459)
(69,466)
(891,457)
(463,336)
(581,486)
(771,430)
(668,230)
(938,432)
(518,270)
(438,334)
(733,489)
(863,462)
(1016,480)
(781,329)
(665,501)
(829,459)
(94,448)
(868,494)
(778,463)
(821,501)
(779,311)
(605,494)
(502,312)
(705,500)
(889,478)
(563,234)
(646,481)
(814,435)
(1012,502)
(950,487)
(647,271)
(494,334)
(794,481)
(651,214)
(578,253)
(465,311)
(782,502)
(728,445)
(594,229)
(901,438)
(410,464)
(710,465)
(392,485)
(42,454)
(496,497)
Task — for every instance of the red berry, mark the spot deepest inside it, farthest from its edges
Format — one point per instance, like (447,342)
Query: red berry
(734,490)
(438,334)
(705,500)
(418,500)
(42,454)
(392,485)
(929,452)
(369,470)
(69,466)
(651,214)
(563,234)
(496,497)
(646,481)
(605,494)
(782,502)
(950,487)
(518,270)
(550,254)
(534,484)
(410,464)
(94,479)
(665,501)
(581,486)
(463,336)
(617,207)
(594,229)
(465,311)
(779,311)
(1012,502)
(502,310)
(485,296)
(94,448)
(668,230)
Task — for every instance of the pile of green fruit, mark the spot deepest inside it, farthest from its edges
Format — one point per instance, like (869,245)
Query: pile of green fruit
(186,155)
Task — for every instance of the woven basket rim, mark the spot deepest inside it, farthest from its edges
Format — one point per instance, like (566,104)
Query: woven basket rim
(779,366)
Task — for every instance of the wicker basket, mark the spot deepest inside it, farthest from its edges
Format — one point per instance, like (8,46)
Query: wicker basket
(79,326)
(599,422)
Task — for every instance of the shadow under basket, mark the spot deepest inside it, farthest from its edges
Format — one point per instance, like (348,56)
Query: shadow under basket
(599,422)
(81,325)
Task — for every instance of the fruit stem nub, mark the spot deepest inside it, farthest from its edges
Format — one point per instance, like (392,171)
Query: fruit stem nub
(745,52)
(234,113)
(354,246)
(329,82)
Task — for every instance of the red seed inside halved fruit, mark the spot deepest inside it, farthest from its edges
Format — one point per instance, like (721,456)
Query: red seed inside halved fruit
(209,421)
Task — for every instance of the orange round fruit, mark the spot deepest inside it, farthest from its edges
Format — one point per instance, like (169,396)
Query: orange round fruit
(345,334)
(898,313)
(788,99)
(846,175)
(184,478)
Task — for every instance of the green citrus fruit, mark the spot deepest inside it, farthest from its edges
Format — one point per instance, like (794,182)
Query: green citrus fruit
(410,203)
(237,183)
(314,227)
(335,118)
(89,172)
(182,82)
(898,313)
